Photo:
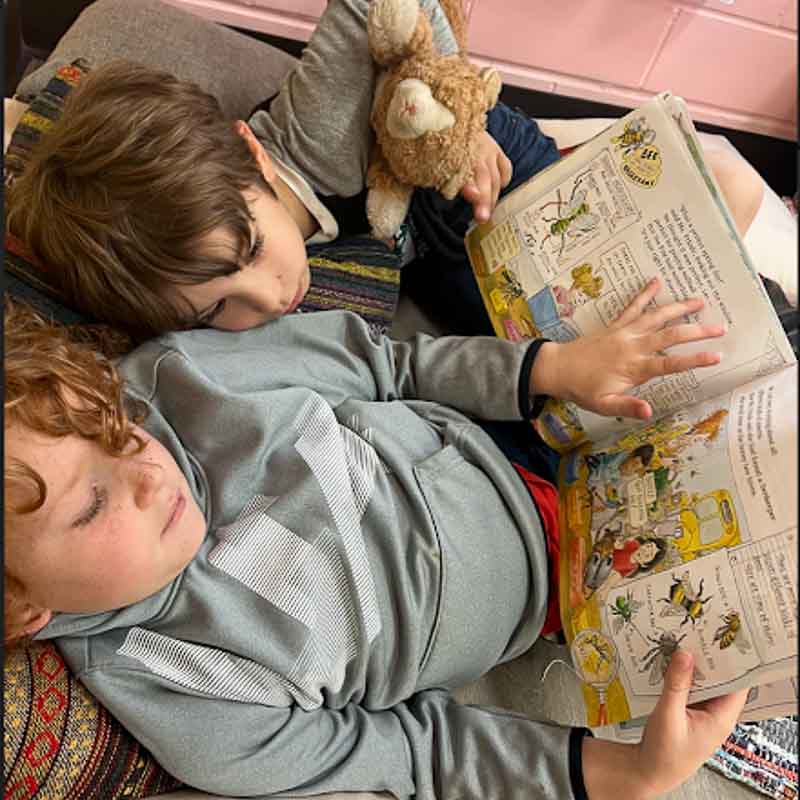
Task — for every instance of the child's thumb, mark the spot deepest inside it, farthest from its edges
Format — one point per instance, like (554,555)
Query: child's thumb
(678,681)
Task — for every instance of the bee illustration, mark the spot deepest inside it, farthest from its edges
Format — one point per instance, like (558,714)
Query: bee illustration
(684,601)
(573,217)
(657,658)
(623,609)
(635,136)
(731,632)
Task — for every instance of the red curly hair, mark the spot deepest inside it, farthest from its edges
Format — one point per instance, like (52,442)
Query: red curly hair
(58,381)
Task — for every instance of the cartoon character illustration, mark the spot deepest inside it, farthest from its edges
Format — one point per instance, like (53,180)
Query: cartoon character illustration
(732,632)
(636,135)
(614,559)
(585,286)
(657,659)
(623,610)
(573,216)
(612,466)
(684,601)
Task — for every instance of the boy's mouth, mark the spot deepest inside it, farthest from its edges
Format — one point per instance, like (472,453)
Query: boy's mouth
(296,300)
(177,512)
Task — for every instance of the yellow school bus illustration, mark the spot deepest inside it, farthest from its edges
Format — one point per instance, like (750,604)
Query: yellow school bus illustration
(708,523)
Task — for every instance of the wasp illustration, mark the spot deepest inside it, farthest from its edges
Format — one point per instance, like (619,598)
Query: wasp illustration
(602,650)
(635,136)
(510,286)
(623,609)
(731,632)
(684,600)
(508,289)
(573,217)
(657,658)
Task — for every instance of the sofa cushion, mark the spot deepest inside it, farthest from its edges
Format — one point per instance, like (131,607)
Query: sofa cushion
(60,742)
(238,70)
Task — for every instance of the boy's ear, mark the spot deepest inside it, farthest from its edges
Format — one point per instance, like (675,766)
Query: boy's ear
(257,150)
(34,619)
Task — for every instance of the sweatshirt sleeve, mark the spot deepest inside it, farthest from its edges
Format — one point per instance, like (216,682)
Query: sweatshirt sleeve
(337,355)
(319,121)
(429,747)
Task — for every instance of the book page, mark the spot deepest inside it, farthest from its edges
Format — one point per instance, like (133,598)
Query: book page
(684,533)
(565,253)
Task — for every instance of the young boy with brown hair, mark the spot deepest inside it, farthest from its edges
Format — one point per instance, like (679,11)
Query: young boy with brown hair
(151,225)
(147,209)
(272,572)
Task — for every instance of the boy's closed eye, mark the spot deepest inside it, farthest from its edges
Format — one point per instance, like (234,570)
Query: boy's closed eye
(96,505)
(209,315)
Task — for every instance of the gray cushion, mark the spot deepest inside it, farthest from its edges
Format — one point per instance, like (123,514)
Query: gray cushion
(238,70)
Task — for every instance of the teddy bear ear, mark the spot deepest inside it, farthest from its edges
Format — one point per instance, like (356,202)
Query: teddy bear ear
(414,111)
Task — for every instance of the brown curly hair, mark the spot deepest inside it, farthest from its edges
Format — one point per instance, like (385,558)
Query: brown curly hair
(118,198)
(58,381)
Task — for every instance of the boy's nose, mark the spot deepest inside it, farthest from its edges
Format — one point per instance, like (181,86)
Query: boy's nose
(148,478)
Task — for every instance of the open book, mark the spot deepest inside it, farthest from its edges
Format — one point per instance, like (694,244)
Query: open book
(681,531)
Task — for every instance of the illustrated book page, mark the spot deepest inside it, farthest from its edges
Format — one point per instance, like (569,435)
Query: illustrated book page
(684,533)
(564,254)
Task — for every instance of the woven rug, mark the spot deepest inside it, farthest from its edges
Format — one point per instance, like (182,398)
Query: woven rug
(762,755)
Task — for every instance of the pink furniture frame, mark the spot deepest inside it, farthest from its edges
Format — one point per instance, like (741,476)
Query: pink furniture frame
(734,61)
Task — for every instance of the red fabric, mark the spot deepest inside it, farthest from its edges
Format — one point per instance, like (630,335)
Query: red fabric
(546,498)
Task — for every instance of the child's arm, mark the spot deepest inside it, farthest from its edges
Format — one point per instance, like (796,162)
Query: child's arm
(319,121)
(429,747)
(336,355)
(676,742)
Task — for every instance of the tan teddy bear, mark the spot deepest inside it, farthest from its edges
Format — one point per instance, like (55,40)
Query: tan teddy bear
(427,113)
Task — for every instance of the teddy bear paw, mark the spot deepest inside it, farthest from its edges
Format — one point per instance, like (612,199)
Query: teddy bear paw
(387,209)
(491,85)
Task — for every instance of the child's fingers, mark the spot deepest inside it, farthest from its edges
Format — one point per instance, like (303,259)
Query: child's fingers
(506,169)
(623,405)
(681,334)
(677,685)
(659,317)
(665,364)
(637,306)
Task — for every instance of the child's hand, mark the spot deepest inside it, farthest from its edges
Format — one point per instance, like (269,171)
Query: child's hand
(679,739)
(596,371)
(492,172)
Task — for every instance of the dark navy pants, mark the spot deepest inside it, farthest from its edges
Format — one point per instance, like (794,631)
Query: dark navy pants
(440,279)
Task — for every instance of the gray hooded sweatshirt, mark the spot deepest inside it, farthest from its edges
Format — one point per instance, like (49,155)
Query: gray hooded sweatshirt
(368,547)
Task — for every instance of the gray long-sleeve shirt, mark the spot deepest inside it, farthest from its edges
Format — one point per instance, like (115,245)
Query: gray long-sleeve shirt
(368,546)
(318,123)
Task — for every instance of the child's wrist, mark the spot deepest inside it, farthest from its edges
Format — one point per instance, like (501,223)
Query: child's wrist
(544,377)
(613,770)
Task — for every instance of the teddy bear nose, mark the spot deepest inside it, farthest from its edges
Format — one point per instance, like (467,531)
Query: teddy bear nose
(413,111)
